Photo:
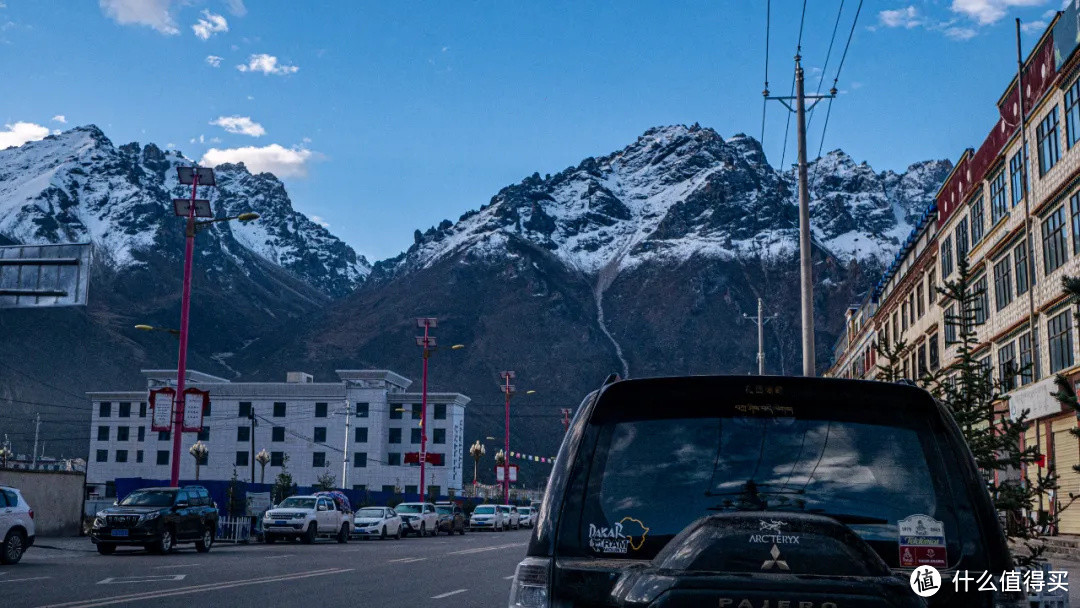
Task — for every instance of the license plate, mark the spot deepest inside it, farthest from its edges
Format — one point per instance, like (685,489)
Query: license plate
(279,523)
(119,532)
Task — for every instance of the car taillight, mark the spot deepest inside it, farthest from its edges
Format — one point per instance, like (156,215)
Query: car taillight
(31,514)
(532,582)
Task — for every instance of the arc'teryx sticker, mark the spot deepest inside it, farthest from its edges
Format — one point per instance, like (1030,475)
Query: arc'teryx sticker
(628,533)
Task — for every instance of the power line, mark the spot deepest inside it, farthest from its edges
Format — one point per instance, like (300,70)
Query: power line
(843,57)
(42,382)
(765,102)
(825,66)
(798,51)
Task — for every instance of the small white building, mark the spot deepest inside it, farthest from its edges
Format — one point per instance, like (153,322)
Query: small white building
(300,422)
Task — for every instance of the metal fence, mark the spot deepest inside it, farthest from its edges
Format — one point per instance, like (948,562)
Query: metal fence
(234,530)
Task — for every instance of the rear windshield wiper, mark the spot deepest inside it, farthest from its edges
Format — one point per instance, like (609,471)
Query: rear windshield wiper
(849,518)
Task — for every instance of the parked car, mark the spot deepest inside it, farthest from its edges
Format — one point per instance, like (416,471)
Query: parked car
(418,518)
(16,525)
(377,522)
(773,490)
(451,518)
(510,517)
(157,519)
(527,516)
(486,517)
(307,518)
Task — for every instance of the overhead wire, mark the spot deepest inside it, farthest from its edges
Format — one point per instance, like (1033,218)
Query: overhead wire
(765,93)
(843,58)
(825,66)
(798,51)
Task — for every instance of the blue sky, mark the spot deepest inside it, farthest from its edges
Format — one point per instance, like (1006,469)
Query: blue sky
(390,116)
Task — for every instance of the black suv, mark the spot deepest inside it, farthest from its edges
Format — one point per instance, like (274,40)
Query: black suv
(158,519)
(761,491)
(451,518)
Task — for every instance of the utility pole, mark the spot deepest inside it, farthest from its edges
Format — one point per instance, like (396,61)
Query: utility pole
(37,429)
(805,263)
(345,459)
(761,321)
(427,342)
(509,390)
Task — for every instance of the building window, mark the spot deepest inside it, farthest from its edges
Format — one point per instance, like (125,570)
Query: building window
(920,300)
(981,306)
(911,306)
(125,409)
(1046,134)
(243,433)
(1007,366)
(409,490)
(977,221)
(390,489)
(1074,209)
(999,207)
(241,459)
(1020,261)
(204,434)
(440,436)
(934,354)
(962,238)
(142,433)
(986,367)
(123,433)
(142,410)
(277,434)
(279,409)
(163,435)
(204,460)
(359,459)
(921,352)
(904,316)
(360,434)
(245,409)
(440,411)
(395,435)
(359,487)
(1027,370)
(121,455)
(895,328)
(393,459)
(416,411)
(104,409)
(1003,293)
(102,433)
(931,287)
(361,410)
(138,455)
(320,410)
(1072,114)
(102,456)
(946,257)
(277,459)
(209,406)
(1059,337)
(415,436)
(951,323)
(1055,251)
(320,434)
(318,459)
(163,457)
(1018,178)
(395,412)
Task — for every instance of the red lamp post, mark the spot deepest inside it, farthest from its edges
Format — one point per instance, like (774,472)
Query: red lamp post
(508,389)
(427,342)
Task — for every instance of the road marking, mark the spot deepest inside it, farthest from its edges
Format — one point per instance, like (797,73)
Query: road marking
(406,560)
(153,578)
(508,578)
(137,597)
(277,556)
(439,597)
(482,549)
(19,580)
(177,566)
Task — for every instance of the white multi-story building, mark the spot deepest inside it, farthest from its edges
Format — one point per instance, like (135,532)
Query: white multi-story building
(301,423)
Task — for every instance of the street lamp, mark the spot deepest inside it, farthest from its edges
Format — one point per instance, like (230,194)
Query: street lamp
(263,458)
(190,209)
(198,450)
(477,451)
(175,332)
(508,389)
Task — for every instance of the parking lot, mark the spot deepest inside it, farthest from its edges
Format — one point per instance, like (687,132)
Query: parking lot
(470,570)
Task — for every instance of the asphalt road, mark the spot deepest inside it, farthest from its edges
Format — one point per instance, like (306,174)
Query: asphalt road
(443,571)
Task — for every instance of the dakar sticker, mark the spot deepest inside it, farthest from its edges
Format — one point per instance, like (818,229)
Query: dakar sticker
(628,533)
(922,542)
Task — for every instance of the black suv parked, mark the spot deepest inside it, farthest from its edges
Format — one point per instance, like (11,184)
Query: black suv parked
(761,491)
(158,519)
(451,518)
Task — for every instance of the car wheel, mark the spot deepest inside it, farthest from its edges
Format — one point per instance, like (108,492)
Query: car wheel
(383,535)
(312,532)
(269,538)
(106,549)
(206,541)
(399,533)
(462,531)
(13,548)
(164,542)
(343,534)
(423,530)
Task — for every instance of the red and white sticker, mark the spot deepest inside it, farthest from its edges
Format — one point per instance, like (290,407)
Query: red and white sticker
(922,542)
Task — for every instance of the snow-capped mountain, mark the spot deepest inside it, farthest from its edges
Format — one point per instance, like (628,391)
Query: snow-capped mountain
(78,187)
(679,192)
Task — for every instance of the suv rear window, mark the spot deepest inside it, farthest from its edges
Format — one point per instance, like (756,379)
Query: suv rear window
(652,469)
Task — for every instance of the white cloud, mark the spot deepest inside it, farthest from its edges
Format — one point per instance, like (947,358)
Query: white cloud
(214,60)
(281,161)
(236,7)
(901,17)
(19,133)
(151,13)
(1032,27)
(961,33)
(307,140)
(201,139)
(59,118)
(267,64)
(241,125)
(320,221)
(209,24)
(170,146)
(985,12)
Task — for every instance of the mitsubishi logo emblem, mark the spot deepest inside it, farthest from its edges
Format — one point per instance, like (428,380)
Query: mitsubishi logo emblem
(775,561)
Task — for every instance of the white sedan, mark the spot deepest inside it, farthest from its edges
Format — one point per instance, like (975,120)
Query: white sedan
(377,522)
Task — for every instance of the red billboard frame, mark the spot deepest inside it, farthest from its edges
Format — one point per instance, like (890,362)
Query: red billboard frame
(190,413)
(166,395)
